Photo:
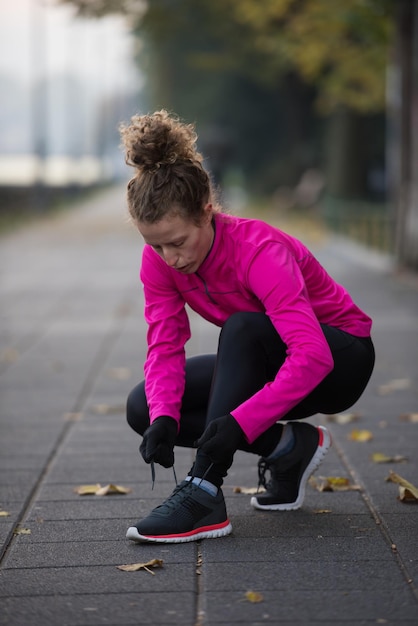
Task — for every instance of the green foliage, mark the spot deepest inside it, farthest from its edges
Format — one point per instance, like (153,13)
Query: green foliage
(256,76)
(339,47)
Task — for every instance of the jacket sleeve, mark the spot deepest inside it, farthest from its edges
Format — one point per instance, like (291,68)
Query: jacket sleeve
(168,331)
(275,278)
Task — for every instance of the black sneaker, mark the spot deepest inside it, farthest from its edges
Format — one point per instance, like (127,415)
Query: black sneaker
(190,513)
(285,490)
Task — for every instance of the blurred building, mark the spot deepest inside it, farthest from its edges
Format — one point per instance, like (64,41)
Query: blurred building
(66,83)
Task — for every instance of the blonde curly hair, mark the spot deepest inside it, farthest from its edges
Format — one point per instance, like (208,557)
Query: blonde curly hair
(170,177)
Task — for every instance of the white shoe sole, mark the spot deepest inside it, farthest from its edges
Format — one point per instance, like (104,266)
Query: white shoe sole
(314,463)
(208,533)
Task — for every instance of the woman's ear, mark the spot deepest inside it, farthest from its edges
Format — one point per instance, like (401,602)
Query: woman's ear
(208,211)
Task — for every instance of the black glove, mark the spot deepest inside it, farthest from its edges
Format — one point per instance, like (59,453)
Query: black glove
(221,439)
(158,442)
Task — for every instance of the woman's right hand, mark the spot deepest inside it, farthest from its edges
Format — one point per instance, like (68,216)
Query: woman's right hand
(158,442)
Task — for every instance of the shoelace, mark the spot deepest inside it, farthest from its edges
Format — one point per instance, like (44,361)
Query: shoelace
(263,466)
(153,475)
(172,501)
(175,475)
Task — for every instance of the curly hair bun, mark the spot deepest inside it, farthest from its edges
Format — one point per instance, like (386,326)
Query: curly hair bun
(152,141)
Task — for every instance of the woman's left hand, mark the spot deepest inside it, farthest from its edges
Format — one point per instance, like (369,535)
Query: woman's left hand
(221,438)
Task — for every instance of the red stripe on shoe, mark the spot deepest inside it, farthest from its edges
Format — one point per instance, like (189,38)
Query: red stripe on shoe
(191,533)
(321,437)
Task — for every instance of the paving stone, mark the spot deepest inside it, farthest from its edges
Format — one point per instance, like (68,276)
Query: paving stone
(300,605)
(297,549)
(274,575)
(102,551)
(97,580)
(90,610)
(342,559)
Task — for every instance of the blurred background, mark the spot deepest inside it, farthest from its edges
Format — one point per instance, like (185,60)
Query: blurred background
(301,106)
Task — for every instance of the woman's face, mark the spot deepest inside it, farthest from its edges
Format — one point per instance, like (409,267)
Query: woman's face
(180,242)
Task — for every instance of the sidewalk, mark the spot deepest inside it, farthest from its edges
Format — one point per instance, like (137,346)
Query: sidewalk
(72,347)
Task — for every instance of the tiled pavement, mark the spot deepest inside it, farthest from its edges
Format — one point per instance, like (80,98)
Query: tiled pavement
(72,346)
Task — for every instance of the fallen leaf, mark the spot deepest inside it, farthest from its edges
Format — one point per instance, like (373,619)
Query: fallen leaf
(98,490)
(108,409)
(87,490)
(405,495)
(123,309)
(4,513)
(397,384)
(135,567)
(73,417)
(120,373)
(248,490)
(254,596)
(409,493)
(320,511)
(409,417)
(112,490)
(378,457)
(9,355)
(343,418)
(332,483)
(22,531)
(361,436)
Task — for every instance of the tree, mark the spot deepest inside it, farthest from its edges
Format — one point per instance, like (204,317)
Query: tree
(265,75)
(340,47)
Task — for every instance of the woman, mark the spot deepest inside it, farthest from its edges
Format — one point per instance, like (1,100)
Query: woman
(292,341)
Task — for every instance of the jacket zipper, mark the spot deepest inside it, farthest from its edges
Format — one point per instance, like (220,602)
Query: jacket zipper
(206,289)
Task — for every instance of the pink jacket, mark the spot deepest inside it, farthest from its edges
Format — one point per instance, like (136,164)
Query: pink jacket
(252,266)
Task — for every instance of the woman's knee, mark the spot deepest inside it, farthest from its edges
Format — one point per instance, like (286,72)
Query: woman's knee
(252,333)
(237,322)
(245,327)
(137,413)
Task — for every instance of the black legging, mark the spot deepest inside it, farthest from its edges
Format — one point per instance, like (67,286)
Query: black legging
(250,353)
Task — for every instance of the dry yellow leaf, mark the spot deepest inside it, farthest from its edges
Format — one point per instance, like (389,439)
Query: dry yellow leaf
(4,513)
(320,511)
(254,596)
(343,418)
(22,531)
(397,384)
(73,417)
(113,490)
(98,490)
(135,567)
(378,457)
(361,436)
(338,481)
(108,409)
(409,417)
(9,355)
(332,483)
(87,490)
(120,373)
(407,486)
(405,495)
(248,490)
